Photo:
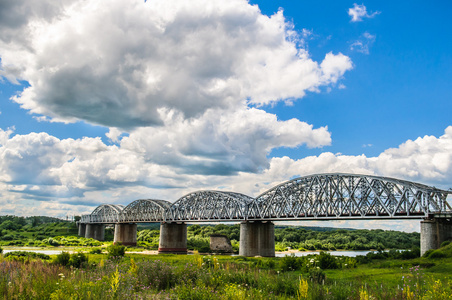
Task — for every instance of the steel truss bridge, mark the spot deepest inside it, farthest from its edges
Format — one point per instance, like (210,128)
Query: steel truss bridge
(314,197)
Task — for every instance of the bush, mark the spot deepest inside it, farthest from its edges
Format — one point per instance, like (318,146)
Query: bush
(1,250)
(289,263)
(63,258)
(445,243)
(427,253)
(95,251)
(198,243)
(78,260)
(410,254)
(116,250)
(436,254)
(327,261)
(24,255)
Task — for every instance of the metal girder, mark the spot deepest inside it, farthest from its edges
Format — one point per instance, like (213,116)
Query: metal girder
(145,210)
(105,213)
(209,206)
(348,196)
(320,196)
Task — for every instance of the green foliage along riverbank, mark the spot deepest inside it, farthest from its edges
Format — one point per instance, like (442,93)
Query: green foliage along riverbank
(200,277)
(45,231)
(296,238)
(33,231)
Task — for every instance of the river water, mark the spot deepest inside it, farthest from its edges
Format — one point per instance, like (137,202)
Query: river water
(44,251)
(278,254)
(335,253)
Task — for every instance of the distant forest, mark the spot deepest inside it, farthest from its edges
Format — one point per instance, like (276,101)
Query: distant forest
(302,238)
(48,231)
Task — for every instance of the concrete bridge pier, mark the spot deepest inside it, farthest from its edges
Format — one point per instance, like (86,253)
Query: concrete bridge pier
(173,238)
(435,231)
(257,238)
(126,234)
(81,229)
(95,231)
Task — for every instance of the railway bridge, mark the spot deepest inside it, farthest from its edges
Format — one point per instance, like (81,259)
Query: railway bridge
(316,197)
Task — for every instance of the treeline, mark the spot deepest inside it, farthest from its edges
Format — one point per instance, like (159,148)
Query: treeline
(296,238)
(42,231)
(362,239)
(33,231)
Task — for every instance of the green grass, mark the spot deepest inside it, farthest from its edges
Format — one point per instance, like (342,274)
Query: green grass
(139,276)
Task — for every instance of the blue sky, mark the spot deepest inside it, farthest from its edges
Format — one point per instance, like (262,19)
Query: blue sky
(109,104)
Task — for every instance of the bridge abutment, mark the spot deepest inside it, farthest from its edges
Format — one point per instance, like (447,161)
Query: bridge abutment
(173,238)
(434,232)
(126,234)
(81,229)
(257,239)
(95,231)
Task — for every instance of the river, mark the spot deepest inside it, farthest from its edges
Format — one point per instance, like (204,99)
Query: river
(278,254)
(335,253)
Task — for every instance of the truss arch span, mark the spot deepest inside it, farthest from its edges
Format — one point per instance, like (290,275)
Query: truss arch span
(145,210)
(105,213)
(348,196)
(209,206)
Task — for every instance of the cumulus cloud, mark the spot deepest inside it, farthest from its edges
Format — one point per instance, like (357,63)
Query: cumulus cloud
(358,12)
(79,174)
(119,64)
(222,143)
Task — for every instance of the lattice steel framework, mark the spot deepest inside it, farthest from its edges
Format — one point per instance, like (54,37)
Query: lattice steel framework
(106,213)
(209,206)
(348,196)
(145,210)
(321,196)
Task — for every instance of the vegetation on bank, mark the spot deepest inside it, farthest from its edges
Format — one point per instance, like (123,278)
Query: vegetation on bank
(295,238)
(45,231)
(135,276)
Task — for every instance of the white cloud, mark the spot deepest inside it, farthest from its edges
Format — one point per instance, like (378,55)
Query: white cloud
(364,43)
(113,134)
(222,142)
(358,12)
(75,175)
(118,64)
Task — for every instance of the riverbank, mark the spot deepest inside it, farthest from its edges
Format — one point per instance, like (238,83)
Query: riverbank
(58,250)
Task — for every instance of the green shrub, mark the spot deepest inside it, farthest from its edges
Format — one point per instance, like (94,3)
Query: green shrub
(445,243)
(327,261)
(95,251)
(63,258)
(289,263)
(116,250)
(436,254)
(198,243)
(24,255)
(78,260)
(1,250)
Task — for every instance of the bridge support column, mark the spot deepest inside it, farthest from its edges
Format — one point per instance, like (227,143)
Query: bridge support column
(173,238)
(95,231)
(434,232)
(81,229)
(257,239)
(126,234)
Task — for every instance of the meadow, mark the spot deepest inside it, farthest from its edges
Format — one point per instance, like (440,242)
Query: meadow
(109,273)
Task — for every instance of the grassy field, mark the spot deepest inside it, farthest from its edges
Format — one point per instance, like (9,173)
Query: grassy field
(138,276)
